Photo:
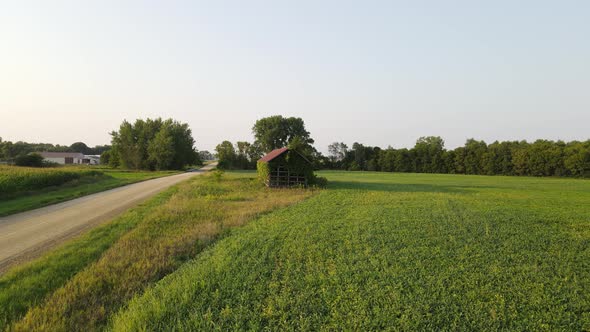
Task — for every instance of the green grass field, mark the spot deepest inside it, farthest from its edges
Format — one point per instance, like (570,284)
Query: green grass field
(383,251)
(374,251)
(26,188)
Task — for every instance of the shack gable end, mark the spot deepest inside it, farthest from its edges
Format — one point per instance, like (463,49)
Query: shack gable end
(285,168)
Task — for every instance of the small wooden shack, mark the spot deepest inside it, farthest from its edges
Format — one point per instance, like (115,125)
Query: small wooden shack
(285,168)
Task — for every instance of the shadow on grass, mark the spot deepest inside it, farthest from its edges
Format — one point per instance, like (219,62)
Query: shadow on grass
(398,187)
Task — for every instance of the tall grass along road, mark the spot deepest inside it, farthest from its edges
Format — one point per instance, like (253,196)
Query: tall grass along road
(26,234)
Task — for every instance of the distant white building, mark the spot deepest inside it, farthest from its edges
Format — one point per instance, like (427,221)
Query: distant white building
(63,158)
(70,158)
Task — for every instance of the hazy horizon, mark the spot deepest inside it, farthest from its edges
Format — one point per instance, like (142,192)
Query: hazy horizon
(377,72)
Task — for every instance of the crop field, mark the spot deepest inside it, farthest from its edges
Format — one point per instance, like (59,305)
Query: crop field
(391,252)
(25,188)
(15,180)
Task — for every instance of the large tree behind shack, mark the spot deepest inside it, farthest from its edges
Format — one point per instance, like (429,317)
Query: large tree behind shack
(275,132)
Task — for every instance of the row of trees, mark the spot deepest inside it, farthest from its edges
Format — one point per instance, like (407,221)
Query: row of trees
(168,144)
(540,158)
(10,151)
(242,155)
(206,155)
(152,144)
(429,155)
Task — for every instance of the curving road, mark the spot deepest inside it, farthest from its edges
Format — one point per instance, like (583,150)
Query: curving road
(28,234)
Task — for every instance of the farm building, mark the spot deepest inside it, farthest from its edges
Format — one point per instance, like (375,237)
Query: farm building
(285,168)
(63,158)
(70,158)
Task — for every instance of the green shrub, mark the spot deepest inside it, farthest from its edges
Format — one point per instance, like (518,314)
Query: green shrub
(30,160)
(218,174)
(319,181)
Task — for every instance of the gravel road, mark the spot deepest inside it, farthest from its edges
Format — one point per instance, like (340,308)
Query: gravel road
(27,235)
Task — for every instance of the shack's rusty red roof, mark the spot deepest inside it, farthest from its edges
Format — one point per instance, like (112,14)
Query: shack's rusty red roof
(273,154)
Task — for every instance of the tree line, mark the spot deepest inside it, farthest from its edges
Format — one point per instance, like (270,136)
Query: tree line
(158,144)
(429,155)
(539,158)
(10,151)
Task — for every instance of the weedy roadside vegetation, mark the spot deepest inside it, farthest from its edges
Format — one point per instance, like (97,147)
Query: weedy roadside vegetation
(144,246)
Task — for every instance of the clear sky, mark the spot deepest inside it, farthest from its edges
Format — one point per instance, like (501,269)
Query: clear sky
(377,72)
